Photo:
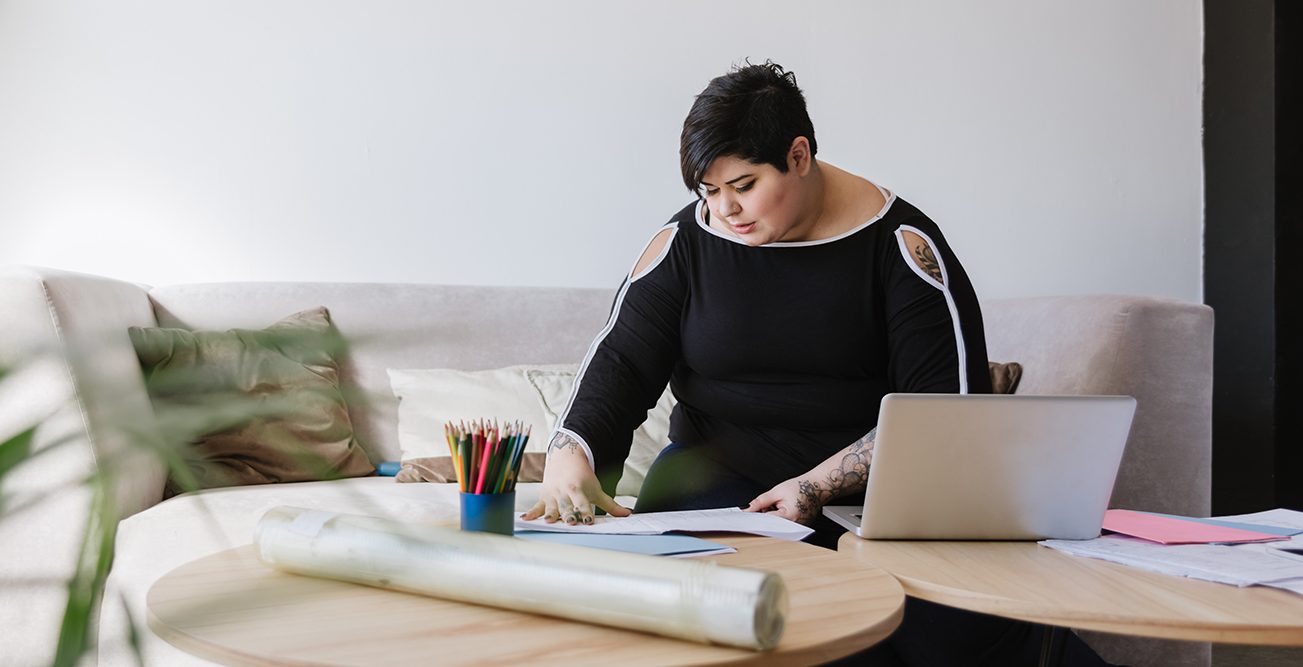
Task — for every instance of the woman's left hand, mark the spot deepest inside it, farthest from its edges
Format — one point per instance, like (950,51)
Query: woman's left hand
(802,498)
(798,499)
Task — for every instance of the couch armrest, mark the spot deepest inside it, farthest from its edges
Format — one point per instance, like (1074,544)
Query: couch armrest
(1157,350)
(75,373)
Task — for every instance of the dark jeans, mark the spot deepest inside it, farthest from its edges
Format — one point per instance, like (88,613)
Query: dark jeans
(930,635)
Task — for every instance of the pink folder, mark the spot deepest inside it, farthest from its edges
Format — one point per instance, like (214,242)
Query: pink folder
(1178,531)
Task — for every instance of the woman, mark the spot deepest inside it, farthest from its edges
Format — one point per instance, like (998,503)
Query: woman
(781,306)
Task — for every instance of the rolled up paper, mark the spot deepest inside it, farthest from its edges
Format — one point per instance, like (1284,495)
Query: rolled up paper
(688,599)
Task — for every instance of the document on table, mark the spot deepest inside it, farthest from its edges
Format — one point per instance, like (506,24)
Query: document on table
(1169,529)
(723,520)
(674,546)
(1254,564)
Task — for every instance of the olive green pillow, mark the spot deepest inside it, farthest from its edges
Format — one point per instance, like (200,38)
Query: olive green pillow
(251,406)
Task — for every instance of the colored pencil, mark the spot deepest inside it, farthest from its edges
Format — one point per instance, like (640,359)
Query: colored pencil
(487,455)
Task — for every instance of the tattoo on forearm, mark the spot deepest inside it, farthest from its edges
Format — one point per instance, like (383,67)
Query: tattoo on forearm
(851,475)
(928,261)
(562,441)
(808,501)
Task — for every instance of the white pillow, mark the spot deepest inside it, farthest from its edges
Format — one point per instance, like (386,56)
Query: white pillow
(429,398)
(554,385)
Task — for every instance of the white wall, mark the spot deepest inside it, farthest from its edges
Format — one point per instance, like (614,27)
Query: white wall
(520,142)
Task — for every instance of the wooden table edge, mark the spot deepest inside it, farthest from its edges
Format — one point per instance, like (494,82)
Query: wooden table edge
(814,655)
(1033,612)
(843,646)
(839,647)
(1019,610)
(201,649)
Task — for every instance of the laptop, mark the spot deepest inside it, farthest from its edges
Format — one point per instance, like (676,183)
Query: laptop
(991,467)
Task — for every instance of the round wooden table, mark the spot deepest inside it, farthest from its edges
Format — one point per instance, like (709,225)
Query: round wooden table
(231,608)
(1026,581)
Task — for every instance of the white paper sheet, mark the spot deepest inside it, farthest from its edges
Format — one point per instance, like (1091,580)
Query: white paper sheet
(723,520)
(1291,585)
(1281,518)
(1238,565)
(672,546)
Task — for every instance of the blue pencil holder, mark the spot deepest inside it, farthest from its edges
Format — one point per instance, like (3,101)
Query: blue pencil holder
(489,512)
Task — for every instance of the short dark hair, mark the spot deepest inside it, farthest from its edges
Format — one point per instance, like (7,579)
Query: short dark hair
(754,112)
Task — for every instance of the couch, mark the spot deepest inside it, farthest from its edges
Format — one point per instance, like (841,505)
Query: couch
(1157,350)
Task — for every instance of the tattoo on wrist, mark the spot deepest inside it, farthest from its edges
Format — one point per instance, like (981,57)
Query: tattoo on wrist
(850,475)
(808,501)
(562,441)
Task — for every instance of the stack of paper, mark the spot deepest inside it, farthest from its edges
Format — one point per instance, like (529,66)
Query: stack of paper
(674,546)
(723,520)
(1251,564)
(1170,529)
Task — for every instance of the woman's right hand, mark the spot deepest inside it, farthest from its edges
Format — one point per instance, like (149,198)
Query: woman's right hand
(570,488)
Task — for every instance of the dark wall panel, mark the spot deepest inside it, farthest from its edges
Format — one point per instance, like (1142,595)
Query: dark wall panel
(1289,254)
(1239,247)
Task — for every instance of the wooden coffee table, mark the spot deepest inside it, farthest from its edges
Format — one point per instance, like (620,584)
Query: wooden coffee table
(230,608)
(1025,581)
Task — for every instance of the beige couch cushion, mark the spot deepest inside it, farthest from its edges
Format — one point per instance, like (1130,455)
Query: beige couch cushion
(1157,350)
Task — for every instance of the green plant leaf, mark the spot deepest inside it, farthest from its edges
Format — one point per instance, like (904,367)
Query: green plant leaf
(15,450)
(206,405)
(133,632)
(86,587)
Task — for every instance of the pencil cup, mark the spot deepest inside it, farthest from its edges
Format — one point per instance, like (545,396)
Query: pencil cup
(489,512)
